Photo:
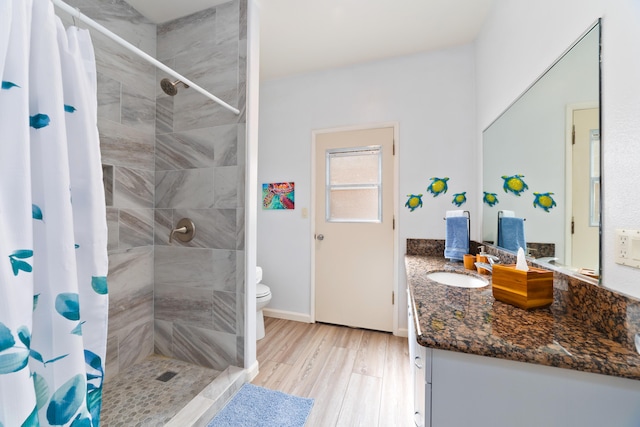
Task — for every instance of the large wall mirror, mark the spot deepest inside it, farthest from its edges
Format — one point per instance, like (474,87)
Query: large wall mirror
(541,165)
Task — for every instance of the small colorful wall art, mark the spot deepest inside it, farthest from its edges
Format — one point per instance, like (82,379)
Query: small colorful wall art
(279,195)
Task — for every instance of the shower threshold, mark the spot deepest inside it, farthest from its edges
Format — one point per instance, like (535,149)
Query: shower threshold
(159,391)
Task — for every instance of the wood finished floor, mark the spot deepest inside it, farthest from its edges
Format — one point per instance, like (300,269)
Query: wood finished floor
(357,377)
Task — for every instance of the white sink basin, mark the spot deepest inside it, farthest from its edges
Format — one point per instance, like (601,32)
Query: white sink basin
(457,279)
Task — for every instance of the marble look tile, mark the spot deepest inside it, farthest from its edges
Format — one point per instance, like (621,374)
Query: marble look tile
(133,188)
(231,379)
(162,334)
(187,305)
(125,146)
(241,131)
(228,22)
(224,270)
(215,228)
(215,69)
(108,98)
(138,110)
(135,344)
(240,180)
(112,228)
(186,35)
(198,148)
(239,351)
(198,408)
(243,23)
(184,189)
(123,65)
(201,409)
(242,65)
(204,347)
(163,225)
(225,187)
(240,276)
(137,312)
(185,267)
(240,233)
(130,277)
(111,360)
(108,183)
(119,17)
(164,115)
(242,102)
(193,111)
(224,311)
(136,227)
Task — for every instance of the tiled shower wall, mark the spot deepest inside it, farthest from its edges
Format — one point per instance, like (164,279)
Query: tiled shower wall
(126,121)
(196,138)
(199,174)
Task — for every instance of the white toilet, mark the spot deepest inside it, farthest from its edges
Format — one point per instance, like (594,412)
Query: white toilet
(263,296)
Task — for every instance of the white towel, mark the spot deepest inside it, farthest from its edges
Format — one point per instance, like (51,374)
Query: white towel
(508,214)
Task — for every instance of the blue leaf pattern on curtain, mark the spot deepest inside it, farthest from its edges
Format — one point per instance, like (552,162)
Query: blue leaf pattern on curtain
(36,212)
(66,401)
(53,287)
(17,265)
(99,285)
(8,85)
(39,121)
(68,306)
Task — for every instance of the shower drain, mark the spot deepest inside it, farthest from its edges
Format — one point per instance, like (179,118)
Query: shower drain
(166,376)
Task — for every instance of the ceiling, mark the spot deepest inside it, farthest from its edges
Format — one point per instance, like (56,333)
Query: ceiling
(300,36)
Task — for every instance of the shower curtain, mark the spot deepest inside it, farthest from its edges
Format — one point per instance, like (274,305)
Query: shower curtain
(53,232)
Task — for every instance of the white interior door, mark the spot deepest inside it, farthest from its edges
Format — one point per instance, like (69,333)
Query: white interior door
(585,189)
(354,228)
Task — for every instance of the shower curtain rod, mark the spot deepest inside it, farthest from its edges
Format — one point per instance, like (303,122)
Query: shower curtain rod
(93,24)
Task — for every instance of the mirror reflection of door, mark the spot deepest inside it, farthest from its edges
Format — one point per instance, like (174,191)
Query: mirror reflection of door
(585,236)
(354,246)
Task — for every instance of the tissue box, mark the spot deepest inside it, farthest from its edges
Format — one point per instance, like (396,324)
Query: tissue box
(524,289)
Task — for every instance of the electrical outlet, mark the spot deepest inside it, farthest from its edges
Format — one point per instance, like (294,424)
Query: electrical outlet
(627,247)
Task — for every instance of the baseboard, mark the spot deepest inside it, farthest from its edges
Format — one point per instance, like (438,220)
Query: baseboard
(404,332)
(252,371)
(288,315)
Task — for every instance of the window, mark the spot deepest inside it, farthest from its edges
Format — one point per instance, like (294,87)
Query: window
(354,185)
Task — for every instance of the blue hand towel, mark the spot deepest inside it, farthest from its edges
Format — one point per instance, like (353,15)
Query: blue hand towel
(511,234)
(457,241)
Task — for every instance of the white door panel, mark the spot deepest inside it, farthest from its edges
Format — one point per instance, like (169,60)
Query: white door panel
(585,236)
(354,259)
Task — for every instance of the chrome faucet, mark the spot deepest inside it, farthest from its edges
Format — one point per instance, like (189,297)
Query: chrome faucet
(492,260)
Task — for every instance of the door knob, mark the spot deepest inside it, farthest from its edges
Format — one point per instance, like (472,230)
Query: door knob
(320,237)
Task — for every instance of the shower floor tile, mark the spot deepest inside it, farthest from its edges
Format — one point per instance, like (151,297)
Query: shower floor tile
(136,397)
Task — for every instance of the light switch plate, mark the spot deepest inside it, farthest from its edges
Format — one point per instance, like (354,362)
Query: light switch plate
(627,247)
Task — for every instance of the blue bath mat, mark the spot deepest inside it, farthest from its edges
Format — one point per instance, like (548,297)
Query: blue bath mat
(255,406)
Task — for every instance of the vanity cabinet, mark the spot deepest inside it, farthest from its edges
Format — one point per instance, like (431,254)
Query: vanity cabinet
(420,359)
(468,390)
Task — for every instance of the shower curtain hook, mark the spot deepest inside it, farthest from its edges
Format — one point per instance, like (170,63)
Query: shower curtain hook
(75,24)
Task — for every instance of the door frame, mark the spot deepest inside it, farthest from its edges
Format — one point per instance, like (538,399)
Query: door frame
(568,172)
(396,167)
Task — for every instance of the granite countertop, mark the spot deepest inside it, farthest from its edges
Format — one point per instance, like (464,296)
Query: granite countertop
(472,321)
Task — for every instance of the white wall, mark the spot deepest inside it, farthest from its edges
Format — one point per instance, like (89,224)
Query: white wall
(430,96)
(521,39)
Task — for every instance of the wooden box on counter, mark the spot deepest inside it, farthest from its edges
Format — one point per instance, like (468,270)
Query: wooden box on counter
(525,289)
